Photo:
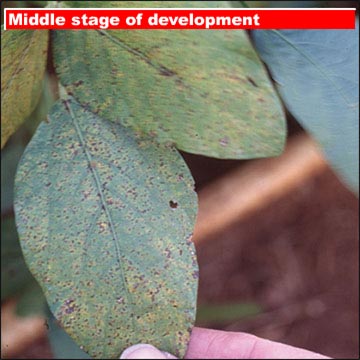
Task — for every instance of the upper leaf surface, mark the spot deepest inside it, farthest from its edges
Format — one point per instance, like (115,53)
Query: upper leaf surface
(205,91)
(317,74)
(23,60)
(105,223)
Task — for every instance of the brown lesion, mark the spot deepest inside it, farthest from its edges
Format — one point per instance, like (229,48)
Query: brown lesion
(251,81)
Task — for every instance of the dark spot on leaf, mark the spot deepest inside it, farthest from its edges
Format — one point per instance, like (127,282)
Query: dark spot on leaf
(251,81)
(173,204)
(69,310)
(224,141)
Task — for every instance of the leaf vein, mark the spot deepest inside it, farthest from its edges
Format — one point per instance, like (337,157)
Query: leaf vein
(163,70)
(105,207)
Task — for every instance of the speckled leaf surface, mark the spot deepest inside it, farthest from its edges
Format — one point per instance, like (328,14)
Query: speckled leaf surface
(205,91)
(317,74)
(23,60)
(105,223)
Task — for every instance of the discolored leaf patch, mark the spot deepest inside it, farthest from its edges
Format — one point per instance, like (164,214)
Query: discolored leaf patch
(23,60)
(189,88)
(114,259)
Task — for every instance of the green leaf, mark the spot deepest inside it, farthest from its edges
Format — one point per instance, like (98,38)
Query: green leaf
(221,313)
(31,301)
(105,222)
(62,345)
(15,275)
(10,157)
(23,61)
(317,74)
(207,92)
(16,279)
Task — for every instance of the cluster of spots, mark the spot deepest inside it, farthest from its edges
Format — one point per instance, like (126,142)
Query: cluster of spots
(66,312)
(70,306)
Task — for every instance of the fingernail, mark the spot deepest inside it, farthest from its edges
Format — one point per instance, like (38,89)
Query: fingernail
(144,351)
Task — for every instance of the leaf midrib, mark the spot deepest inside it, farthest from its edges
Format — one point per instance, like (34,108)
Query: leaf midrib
(104,205)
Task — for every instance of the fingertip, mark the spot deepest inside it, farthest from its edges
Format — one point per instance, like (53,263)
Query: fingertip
(208,343)
(145,351)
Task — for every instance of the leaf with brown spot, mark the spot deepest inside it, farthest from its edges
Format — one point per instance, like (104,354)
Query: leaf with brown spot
(104,241)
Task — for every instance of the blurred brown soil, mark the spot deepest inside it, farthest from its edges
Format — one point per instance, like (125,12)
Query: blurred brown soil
(299,259)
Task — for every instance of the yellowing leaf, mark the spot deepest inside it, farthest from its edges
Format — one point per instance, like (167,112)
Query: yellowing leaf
(23,60)
(205,91)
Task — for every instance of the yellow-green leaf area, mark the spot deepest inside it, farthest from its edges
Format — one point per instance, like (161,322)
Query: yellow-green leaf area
(206,91)
(23,61)
(105,223)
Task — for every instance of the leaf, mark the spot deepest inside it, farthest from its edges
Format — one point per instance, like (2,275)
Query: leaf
(204,91)
(15,275)
(317,75)
(23,60)
(62,345)
(10,157)
(222,313)
(31,301)
(105,222)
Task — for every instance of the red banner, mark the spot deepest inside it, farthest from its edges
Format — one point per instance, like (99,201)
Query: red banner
(176,18)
